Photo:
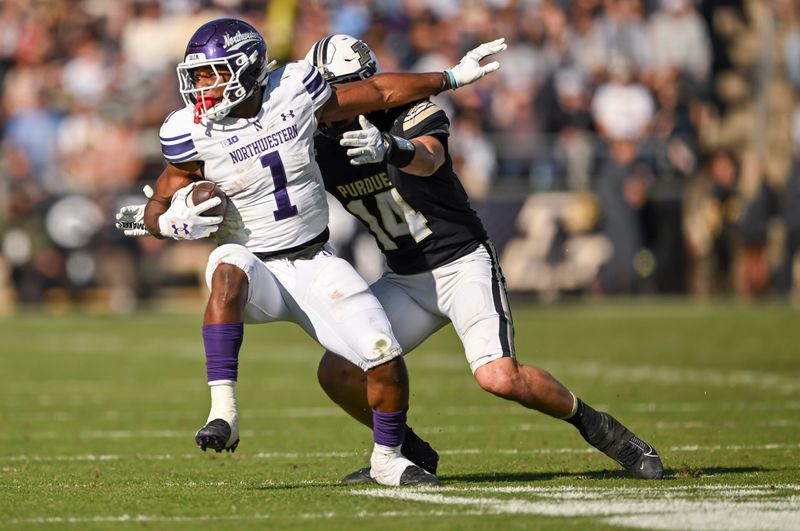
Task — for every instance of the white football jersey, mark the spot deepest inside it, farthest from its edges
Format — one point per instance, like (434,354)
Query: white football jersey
(264,164)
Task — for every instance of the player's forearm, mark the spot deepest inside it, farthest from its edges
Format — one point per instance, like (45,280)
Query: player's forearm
(166,185)
(397,89)
(427,159)
(152,212)
(382,91)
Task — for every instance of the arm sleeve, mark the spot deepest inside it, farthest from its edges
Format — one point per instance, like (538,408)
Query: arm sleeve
(175,135)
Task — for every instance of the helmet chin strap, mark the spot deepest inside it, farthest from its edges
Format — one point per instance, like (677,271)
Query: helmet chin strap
(206,101)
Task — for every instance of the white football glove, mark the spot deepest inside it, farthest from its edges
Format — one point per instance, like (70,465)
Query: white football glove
(130,218)
(367,144)
(469,70)
(182,222)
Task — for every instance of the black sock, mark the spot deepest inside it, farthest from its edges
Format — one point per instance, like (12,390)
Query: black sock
(588,421)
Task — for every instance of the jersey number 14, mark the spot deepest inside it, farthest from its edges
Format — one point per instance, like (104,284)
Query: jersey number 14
(397,219)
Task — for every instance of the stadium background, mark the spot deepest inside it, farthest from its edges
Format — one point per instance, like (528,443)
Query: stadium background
(625,146)
(100,410)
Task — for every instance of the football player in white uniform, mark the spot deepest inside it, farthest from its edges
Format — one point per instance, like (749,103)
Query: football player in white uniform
(251,130)
(442,267)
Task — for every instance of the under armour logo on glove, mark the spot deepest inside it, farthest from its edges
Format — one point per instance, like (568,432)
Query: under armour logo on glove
(185,229)
(291,115)
(183,222)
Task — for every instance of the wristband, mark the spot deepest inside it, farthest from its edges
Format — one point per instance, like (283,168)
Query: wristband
(451,79)
(400,152)
(448,82)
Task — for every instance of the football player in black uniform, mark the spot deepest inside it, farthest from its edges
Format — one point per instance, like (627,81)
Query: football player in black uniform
(397,178)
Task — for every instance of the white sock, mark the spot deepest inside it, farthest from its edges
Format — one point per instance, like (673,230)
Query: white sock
(223,405)
(387,464)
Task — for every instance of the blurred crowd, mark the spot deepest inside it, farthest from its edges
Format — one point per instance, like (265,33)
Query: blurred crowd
(668,129)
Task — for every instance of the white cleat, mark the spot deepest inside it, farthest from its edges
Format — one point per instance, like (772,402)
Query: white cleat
(389,467)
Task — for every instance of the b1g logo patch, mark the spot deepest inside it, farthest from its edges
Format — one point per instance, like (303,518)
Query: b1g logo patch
(229,141)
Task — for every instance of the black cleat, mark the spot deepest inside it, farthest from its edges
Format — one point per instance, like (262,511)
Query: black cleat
(414,448)
(215,435)
(620,444)
(416,476)
(358,477)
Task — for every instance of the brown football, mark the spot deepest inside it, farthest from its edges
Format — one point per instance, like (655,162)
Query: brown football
(205,190)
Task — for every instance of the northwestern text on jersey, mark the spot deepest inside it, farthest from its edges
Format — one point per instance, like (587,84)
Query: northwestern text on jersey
(263,144)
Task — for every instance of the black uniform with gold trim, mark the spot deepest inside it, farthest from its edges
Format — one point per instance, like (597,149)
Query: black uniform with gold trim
(419,222)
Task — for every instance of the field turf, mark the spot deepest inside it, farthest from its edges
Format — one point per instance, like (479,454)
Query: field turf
(98,415)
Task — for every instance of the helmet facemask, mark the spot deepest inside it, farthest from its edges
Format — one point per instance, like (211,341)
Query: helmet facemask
(234,92)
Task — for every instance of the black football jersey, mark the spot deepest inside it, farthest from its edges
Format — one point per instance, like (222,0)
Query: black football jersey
(418,222)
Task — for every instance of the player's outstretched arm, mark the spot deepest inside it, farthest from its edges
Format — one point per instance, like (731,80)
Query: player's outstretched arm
(384,91)
(168,218)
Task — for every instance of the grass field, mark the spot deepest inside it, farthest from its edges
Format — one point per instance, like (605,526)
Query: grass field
(98,417)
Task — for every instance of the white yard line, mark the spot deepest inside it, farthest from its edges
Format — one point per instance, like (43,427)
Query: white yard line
(664,374)
(126,518)
(439,429)
(715,519)
(124,434)
(459,451)
(293,455)
(722,507)
(725,507)
(568,492)
(331,411)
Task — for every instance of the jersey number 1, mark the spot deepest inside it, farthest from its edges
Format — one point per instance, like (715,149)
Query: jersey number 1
(286,209)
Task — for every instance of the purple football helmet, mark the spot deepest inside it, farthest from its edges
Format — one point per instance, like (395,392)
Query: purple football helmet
(226,44)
